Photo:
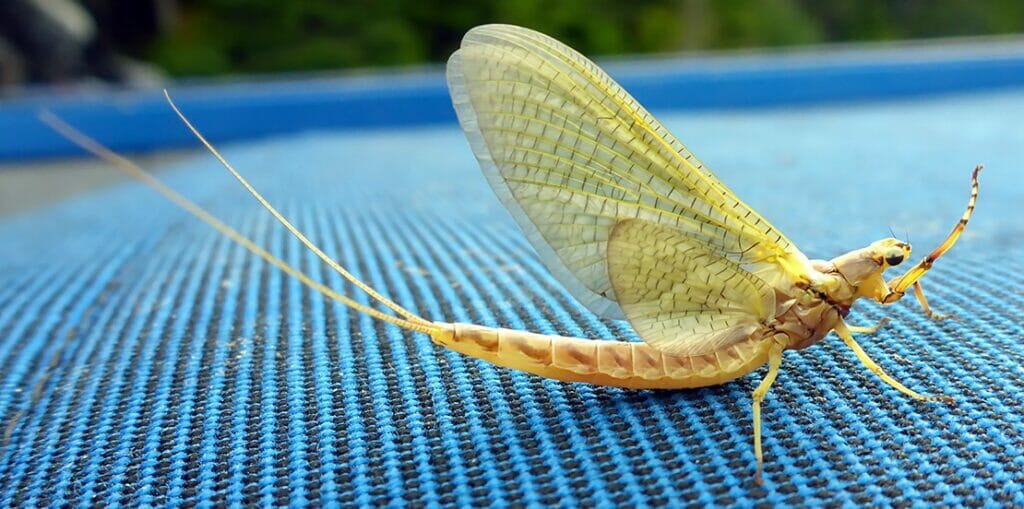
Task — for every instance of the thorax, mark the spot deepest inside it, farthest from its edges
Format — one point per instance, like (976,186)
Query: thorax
(807,313)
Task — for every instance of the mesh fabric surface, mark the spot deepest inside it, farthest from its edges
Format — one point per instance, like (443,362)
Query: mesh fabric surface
(144,359)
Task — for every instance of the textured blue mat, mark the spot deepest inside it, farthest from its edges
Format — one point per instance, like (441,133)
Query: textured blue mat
(143,359)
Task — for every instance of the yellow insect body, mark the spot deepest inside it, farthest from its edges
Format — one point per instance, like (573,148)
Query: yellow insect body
(634,226)
(613,363)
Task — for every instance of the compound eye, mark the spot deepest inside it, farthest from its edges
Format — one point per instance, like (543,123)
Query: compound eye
(894,260)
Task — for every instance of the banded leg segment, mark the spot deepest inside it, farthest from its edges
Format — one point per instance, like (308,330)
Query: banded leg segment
(774,361)
(900,285)
(844,332)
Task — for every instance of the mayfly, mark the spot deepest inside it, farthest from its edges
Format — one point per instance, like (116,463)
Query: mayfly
(632,224)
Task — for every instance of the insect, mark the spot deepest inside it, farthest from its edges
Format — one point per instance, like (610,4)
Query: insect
(632,224)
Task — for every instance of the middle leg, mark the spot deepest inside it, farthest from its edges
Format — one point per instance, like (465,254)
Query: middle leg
(847,336)
(869,330)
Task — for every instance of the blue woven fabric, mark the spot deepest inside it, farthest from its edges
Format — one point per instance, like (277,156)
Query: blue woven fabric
(145,360)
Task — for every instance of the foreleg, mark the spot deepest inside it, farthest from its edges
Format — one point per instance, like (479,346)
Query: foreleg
(919,293)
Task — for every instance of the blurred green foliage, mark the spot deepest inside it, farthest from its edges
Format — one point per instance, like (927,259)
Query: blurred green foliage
(231,36)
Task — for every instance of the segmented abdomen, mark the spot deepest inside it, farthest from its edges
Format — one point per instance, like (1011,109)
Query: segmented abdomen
(615,363)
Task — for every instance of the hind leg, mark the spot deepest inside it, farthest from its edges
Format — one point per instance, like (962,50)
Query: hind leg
(774,361)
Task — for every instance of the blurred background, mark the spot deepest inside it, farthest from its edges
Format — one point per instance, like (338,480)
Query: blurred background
(141,41)
(249,69)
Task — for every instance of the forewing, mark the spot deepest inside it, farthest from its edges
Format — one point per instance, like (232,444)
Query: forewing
(680,297)
(570,153)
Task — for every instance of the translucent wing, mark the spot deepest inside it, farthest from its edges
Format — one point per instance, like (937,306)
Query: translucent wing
(680,297)
(570,153)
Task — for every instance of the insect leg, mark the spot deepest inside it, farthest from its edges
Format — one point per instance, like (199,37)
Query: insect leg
(919,293)
(902,283)
(774,361)
(869,330)
(846,334)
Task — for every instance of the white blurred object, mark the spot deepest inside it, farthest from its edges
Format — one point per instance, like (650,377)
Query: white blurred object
(72,18)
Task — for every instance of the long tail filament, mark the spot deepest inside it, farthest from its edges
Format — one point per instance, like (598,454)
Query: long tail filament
(292,229)
(408,320)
